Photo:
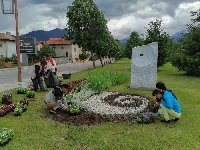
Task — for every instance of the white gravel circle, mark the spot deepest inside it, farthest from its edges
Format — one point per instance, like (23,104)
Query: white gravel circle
(96,105)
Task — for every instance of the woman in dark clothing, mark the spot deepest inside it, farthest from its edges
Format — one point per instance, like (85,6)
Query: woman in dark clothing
(37,74)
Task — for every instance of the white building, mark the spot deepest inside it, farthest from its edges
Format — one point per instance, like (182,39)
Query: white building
(7,45)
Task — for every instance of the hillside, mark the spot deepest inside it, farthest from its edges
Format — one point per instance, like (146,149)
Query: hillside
(42,35)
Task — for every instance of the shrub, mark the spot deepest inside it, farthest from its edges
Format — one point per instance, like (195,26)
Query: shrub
(83,56)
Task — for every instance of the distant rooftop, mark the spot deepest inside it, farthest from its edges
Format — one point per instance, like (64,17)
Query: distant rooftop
(6,36)
(58,41)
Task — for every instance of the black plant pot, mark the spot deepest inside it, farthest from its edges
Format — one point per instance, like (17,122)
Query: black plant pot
(17,115)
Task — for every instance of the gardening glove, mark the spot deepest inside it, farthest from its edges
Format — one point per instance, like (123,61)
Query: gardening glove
(156,104)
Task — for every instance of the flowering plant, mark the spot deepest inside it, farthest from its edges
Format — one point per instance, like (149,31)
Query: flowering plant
(19,109)
(31,86)
(145,117)
(30,94)
(5,135)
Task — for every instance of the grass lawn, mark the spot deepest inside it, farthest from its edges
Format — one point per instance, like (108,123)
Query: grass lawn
(35,132)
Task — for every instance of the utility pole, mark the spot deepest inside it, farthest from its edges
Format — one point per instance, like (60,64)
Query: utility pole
(14,10)
(17,42)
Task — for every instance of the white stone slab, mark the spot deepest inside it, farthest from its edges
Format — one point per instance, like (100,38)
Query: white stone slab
(144,66)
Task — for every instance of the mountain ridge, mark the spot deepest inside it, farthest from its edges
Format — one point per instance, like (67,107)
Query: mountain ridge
(42,35)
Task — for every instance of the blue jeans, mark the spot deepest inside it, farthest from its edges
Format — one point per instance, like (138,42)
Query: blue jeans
(36,81)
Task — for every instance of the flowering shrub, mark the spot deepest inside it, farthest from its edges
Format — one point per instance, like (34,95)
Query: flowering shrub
(5,135)
(145,117)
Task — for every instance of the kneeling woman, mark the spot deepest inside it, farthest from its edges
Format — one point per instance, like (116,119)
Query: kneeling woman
(170,108)
(56,98)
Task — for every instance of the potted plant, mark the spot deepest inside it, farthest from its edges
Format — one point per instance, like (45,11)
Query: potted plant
(5,136)
(30,94)
(18,110)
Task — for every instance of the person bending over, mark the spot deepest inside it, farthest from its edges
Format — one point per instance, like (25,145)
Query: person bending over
(56,98)
(170,108)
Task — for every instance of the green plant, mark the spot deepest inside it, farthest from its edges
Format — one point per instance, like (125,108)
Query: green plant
(60,79)
(46,50)
(21,90)
(18,109)
(7,59)
(30,94)
(118,78)
(73,109)
(14,58)
(100,79)
(83,56)
(132,42)
(5,135)
(95,58)
(187,56)
(145,117)
(155,33)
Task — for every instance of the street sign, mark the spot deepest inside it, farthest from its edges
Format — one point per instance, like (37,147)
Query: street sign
(28,45)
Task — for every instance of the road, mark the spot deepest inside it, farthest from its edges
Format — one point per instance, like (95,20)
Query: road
(9,77)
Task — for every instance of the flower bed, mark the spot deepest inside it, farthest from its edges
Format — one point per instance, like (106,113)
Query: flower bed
(89,107)
(120,104)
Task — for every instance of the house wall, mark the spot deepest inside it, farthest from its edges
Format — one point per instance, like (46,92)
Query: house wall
(61,50)
(72,50)
(3,49)
(11,48)
(39,46)
(76,51)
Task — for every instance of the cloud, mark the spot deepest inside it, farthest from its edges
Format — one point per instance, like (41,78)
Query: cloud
(124,17)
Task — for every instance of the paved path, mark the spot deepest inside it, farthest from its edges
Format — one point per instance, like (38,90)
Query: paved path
(9,77)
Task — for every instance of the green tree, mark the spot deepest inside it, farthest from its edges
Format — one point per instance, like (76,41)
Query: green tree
(120,50)
(155,33)
(46,50)
(132,42)
(187,56)
(86,26)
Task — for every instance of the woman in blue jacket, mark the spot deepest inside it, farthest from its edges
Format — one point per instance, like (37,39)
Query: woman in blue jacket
(170,108)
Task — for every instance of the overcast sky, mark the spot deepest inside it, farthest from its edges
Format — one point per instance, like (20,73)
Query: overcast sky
(124,16)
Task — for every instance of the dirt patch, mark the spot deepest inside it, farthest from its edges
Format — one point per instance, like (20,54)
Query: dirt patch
(87,118)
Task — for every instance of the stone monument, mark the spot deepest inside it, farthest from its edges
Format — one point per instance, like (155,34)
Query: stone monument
(144,66)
